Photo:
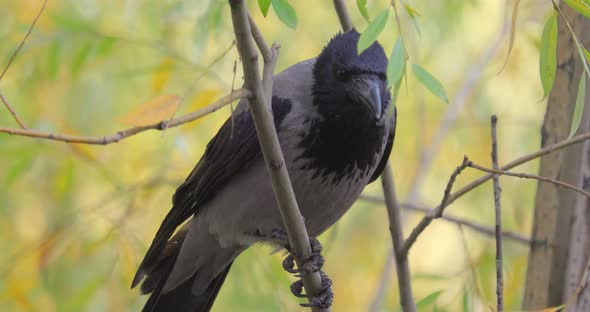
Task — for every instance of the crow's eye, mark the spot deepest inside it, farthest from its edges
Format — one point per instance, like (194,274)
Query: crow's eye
(342,75)
(382,76)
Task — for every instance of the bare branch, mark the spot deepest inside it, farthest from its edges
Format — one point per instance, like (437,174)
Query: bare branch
(12,112)
(120,135)
(11,59)
(498,215)
(517,162)
(486,230)
(268,57)
(15,53)
(437,212)
(343,15)
(528,176)
(397,236)
(269,143)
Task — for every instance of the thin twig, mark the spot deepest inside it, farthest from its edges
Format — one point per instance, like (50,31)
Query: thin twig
(12,112)
(269,143)
(120,135)
(437,212)
(343,15)
(399,28)
(22,42)
(397,236)
(517,162)
(12,58)
(486,230)
(528,176)
(268,57)
(498,215)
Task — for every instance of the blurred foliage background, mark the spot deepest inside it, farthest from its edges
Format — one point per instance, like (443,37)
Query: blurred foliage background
(75,220)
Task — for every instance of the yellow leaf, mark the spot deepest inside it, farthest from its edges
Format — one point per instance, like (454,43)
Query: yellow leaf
(203,99)
(162,74)
(152,111)
(512,32)
(85,151)
(199,101)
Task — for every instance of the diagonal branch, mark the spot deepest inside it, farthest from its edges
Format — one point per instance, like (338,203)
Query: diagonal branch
(469,187)
(11,59)
(12,112)
(435,213)
(269,143)
(22,42)
(480,228)
(120,135)
(528,176)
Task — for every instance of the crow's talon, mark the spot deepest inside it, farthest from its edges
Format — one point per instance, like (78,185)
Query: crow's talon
(297,289)
(325,296)
(313,264)
(289,264)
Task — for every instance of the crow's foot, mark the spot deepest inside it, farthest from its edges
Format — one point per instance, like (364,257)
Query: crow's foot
(323,299)
(312,264)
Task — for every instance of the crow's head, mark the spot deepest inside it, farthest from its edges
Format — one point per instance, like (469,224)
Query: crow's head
(345,81)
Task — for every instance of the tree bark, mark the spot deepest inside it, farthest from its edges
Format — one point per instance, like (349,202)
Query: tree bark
(555,208)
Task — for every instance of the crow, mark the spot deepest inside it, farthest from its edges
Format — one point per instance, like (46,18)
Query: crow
(336,129)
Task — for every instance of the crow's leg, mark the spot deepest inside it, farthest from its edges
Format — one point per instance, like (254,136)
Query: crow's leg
(323,299)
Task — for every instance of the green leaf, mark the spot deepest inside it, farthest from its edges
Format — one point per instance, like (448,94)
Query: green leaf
(397,63)
(81,57)
(264,5)
(581,6)
(104,46)
(373,30)
(586,53)
(579,46)
(285,12)
(411,11)
(466,304)
(548,58)
(431,83)
(428,300)
(53,59)
(22,164)
(579,109)
(362,5)
(70,22)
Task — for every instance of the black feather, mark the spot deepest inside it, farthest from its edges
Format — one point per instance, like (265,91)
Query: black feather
(181,299)
(387,151)
(233,150)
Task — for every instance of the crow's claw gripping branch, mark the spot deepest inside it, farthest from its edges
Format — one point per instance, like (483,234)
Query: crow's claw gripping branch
(312,264)
(323,299)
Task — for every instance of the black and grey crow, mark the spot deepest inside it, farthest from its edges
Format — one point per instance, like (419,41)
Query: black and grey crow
(336,129)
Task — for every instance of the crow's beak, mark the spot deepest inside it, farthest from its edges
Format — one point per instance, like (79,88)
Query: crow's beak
(374,99)
(366,91)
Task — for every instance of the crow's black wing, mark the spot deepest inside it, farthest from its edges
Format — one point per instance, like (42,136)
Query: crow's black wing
(233,150)
(388,146)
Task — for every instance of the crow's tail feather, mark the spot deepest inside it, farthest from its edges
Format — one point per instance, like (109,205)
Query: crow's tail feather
(182,299)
